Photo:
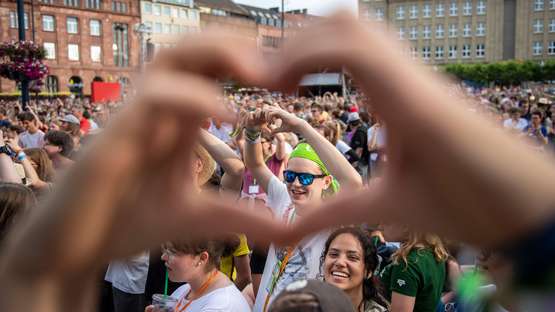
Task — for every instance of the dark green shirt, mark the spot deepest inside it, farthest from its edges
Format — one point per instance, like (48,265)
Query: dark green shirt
(422,278)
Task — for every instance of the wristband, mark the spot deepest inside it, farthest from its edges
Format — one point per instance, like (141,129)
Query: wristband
(21,156)
(251,135)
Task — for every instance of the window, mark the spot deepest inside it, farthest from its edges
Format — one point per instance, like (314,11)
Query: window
(73,52)
(193,15)
(71,3)
(481,7)
(166,10)
(94,26)
(157,28)
(147,8)
(13,20)
(184,29)
(166,29)
(452,30)
(453,9)
(552,4)
(467,30)
(174,13)
(481,29)
(50,49)
(120,45)
(93,4)
(426,53)
(467,8)
(413,11)
(552,25)
(379,14)
(439,31)
(96,54)
(48,23)
(427,32)
(538,5)
(427,11)
(439,52)
(538,26)
(401,33)
(413,33)
(156,9)
(149,26)
(440,10)
(537,48)
(47,1)
(400,12)
(120,7)
(466,51)
(72,25)
(551,48)
(183,13)
(480,50)
(452,52)
(413,52)
(175,29)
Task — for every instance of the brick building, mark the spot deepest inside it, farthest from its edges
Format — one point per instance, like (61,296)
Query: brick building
(85,41)
(469,31)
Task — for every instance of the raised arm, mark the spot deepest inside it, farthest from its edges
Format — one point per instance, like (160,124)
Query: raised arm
(254,159)
(225,157)
(336,163)
(7,169)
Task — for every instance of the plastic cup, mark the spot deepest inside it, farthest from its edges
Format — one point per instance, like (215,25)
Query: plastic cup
(163,303)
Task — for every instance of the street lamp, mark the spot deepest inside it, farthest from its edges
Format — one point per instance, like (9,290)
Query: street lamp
(21,33)
(142,29)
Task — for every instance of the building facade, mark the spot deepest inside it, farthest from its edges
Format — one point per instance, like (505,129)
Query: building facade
(85,41)
(167,20)
(468,31)
(226,14)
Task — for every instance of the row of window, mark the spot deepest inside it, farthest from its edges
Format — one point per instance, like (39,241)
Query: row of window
(117,6)
(72,52)
(49,24)
(164,10)
(539,5)
(413,11)
(452,52)
(163,28)
(537,48)
(538,25)
(120,48)
(453,31)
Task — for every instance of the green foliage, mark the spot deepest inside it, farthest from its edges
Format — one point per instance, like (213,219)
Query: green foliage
(503,73)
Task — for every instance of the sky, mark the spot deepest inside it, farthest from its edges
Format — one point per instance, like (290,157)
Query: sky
(316,7)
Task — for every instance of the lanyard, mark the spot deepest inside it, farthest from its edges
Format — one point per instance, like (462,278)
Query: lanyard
(182,307)
(289,218)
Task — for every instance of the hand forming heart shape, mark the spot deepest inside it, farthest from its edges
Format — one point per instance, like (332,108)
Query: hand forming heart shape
(449,171)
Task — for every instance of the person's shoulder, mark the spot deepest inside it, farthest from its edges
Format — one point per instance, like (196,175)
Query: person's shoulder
(227,299)
(181,291)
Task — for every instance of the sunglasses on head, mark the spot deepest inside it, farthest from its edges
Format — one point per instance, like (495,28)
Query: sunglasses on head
(304,178)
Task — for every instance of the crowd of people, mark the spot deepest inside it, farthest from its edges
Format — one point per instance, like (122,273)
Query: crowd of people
(283,162)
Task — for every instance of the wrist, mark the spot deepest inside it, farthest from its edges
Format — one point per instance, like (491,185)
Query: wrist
(21,156)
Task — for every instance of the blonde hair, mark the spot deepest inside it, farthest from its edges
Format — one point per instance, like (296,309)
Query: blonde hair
(417,241)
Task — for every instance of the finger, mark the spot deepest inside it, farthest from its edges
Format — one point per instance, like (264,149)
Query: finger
(185,93)
(209,54)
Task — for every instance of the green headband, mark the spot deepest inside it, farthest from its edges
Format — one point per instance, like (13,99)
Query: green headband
(304,150)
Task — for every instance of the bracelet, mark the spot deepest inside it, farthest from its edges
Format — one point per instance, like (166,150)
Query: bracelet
(21,156)
(252,136)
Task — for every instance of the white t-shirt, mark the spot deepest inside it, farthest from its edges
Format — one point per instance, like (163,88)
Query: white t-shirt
(342,147)
(520,125)
(223,132)
(380,140)
(226,299)
(305,261)
(28,140)
(130,275)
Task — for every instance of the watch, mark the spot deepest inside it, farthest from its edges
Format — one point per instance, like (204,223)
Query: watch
(7,150)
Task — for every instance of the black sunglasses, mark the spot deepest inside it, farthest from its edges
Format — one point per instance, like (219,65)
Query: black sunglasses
(304,178)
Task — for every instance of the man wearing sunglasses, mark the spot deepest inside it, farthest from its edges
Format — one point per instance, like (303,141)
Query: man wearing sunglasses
(314,171)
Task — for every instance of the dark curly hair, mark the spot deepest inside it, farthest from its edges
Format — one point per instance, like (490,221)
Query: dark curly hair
(371,289)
